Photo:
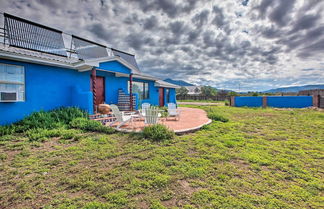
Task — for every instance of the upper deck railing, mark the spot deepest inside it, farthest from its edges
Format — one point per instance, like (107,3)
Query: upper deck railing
(25,34)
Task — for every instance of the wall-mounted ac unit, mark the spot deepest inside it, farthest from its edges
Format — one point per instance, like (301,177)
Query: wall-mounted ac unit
(8,96)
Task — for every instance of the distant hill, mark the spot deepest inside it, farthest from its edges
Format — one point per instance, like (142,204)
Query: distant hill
(178,82)
(295,88)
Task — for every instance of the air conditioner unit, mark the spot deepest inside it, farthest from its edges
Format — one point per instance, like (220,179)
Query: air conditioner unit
(8,96)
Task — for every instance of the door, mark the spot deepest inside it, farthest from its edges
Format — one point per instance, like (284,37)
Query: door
(100,90)
(161,97)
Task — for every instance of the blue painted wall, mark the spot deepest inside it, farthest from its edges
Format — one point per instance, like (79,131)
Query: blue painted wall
(50,87)
(47,88)
(290,101)
(248,101)
(173,96)
(276,101)
(115,67)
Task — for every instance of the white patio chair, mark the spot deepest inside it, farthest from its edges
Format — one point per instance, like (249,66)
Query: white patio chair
(173,111)
(151,115)
(121,117)
(144,107)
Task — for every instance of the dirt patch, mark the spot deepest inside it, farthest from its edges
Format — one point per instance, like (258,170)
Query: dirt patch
(186,188)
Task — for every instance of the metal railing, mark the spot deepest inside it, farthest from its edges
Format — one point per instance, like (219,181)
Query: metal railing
(21,33)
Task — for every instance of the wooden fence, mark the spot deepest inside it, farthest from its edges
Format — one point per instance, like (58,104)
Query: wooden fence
(198,97)
(321,102)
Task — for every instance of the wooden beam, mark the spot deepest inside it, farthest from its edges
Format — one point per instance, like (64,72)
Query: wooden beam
(131,92)
(94,88)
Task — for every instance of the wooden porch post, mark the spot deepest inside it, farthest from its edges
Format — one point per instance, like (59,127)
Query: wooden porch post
(131,91)
(94,90)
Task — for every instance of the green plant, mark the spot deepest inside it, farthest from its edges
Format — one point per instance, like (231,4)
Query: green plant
(43,134)
(157,132)
(227,103)
(49,120)
(216,117)
(6,130)
(90,125)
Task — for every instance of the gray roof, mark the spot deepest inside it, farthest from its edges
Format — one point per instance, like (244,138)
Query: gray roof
(130,58)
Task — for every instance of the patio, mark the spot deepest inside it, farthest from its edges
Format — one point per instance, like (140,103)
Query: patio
(191,119)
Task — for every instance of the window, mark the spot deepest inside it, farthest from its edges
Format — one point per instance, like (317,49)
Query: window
(12,80)
(141,88)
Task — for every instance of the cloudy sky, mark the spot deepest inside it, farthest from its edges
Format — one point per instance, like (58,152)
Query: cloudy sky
(230,44)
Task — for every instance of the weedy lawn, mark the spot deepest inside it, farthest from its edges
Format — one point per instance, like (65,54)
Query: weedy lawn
(259,158)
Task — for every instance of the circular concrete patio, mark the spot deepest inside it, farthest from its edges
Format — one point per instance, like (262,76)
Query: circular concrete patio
(191,119)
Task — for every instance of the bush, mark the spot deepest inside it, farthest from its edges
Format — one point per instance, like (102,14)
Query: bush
(45,120)
(227,103)
(7,130)
(157,132)
(43,134)
(217,117)
(90,125)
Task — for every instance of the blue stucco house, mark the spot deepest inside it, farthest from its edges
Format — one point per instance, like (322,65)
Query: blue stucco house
(39,76)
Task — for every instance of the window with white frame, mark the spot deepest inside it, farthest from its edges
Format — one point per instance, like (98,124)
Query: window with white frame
(141,88)
(12,81)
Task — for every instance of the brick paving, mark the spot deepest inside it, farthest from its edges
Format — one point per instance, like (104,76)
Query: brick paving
(190,119)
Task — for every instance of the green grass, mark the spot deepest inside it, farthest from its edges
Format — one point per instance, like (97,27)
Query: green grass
(259,158)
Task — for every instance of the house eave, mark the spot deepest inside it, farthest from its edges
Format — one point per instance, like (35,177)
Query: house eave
(31,59)
(166,85)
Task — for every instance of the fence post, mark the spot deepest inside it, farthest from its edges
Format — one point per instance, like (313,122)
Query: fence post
(316,99)
(264,101)
(232,101)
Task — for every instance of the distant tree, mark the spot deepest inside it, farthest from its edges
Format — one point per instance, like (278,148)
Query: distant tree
(208,91)
(197,90)
(182,91)
(232,93)
(222,93)
(255,94)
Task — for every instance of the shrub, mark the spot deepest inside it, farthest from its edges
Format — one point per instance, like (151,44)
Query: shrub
(157,132)
(227,103)
(43,134)
(7,130)
(90,125)
(217,117)
(47,120)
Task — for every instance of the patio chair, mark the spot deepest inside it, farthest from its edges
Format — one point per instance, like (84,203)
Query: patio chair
(151,115)
(173,111)
(121,117)
(144,107)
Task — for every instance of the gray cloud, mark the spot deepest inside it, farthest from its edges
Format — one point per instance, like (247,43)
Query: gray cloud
(260,44)
(281,13)
(219,16)
(200,19)
(150,23)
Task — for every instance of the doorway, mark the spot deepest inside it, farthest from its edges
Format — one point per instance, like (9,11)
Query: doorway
(100,90)
(161,97)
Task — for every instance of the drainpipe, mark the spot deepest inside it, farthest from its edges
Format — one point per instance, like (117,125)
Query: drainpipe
(131,91)
(94,89)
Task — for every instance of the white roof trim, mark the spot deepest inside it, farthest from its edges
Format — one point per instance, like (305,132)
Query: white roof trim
(145,77)
(161,83)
